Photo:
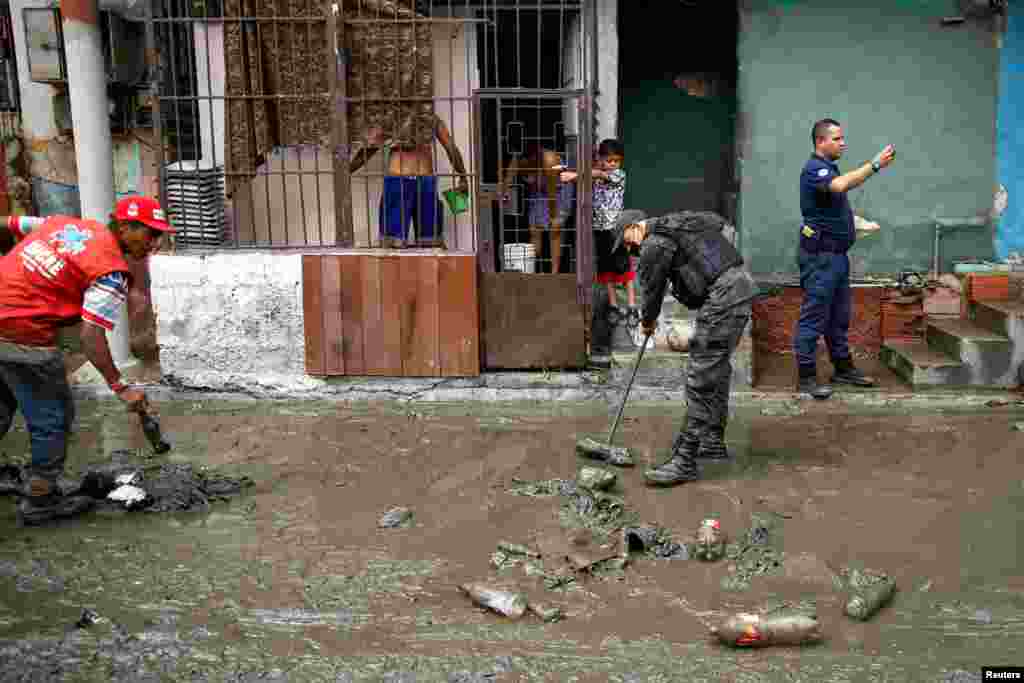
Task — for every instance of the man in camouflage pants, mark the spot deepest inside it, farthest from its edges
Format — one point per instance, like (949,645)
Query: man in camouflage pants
(692,251)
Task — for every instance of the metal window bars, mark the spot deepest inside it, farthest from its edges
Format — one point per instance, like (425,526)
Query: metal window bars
(298,123)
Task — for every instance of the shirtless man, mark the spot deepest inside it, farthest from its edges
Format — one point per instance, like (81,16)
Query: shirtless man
(549,201)
(410,186)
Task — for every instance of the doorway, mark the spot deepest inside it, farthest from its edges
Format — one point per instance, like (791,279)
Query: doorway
(678,117)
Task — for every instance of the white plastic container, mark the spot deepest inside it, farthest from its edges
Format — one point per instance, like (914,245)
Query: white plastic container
(519,257)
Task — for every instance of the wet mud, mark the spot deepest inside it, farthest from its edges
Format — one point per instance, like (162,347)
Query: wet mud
(294,579)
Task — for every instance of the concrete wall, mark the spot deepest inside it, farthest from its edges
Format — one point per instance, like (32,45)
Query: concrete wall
(1010,233)
(286,206)
(224,315)
(891,73)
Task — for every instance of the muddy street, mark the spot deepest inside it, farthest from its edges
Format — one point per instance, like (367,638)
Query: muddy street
(298,580)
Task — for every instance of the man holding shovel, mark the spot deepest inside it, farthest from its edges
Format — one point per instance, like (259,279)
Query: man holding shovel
(689,251)
(61,271)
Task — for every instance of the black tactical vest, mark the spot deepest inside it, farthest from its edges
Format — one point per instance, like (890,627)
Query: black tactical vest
(702,253)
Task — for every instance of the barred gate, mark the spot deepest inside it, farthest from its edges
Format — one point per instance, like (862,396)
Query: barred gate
(356,124)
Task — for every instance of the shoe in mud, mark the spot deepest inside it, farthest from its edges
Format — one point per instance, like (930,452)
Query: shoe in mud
(677,470)
(809,386)
(847,373)
(36,510)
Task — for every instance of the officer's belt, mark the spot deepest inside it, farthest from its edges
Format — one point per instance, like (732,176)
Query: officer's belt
(822,242)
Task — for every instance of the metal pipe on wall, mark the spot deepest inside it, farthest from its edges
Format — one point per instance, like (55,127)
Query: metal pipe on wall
(94,151)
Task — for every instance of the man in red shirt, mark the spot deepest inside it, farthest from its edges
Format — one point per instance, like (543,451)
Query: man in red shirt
(63,270)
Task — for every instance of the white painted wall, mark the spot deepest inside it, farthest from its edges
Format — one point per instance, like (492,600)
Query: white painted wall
(229,314)
(607,69)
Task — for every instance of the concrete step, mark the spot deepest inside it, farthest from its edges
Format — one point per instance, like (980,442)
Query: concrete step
(1001,317)
(921,366)
(988,355)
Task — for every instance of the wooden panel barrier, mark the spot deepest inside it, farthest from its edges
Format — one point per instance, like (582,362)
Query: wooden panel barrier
(399,315)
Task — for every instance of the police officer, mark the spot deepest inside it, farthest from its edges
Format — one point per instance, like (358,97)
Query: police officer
(826,235)
(690,250)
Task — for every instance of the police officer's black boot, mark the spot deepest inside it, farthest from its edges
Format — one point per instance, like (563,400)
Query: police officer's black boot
(712,444)
(808,384)
(846,373)
(682,466)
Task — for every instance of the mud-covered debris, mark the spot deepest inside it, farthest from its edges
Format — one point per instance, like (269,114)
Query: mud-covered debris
(869,591)
(786,409)
(517,549)
(546,612)
(10,480)
(652,540)
(585,562)
(762,630)
(595,478)
(395,517)
(542,489)
(504,602)
(131,497)
(710,540)
(88,618)
(1018,426)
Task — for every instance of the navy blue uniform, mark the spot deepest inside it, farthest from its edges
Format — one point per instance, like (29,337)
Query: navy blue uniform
(826,235)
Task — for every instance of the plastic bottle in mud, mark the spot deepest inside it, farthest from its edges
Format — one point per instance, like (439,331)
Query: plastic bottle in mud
(711,540)
(780,628)
(506,603)
(867,600)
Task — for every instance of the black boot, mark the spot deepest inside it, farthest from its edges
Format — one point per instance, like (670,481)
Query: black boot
(43,502)
(846,373)
(808,384)
(712,444)
(682,466)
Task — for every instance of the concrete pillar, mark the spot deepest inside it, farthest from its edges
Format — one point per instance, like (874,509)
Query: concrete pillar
(94,151)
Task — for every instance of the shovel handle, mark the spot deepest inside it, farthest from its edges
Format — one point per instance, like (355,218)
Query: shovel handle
(625,394)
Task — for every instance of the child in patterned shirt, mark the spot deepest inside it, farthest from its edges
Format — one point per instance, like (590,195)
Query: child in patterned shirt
(609,192)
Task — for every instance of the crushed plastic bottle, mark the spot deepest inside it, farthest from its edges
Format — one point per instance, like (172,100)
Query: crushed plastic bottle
(506,603)
(710,540)
(763,630)
(866,600)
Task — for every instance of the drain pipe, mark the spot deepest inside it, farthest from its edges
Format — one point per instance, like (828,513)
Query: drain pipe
(950,224)
(90,118)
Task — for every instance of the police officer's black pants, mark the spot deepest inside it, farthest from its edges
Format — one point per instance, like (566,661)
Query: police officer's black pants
(709,371)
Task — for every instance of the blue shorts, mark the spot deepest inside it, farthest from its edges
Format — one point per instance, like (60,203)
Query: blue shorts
(539,208)
(411,198)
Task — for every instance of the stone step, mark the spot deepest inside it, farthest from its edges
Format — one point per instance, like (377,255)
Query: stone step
(921,366)
(1001,317)
(988,355)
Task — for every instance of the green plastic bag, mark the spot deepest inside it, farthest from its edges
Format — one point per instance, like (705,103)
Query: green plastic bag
(458,202)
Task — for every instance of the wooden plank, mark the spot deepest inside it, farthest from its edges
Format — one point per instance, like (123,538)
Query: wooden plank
(389,333)
(337,58)
(312,314)
(458,317)
(420,317)
(334,324)
(354,315)
(374,358)
(532,321)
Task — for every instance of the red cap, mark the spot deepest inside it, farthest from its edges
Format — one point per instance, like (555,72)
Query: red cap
(142,210)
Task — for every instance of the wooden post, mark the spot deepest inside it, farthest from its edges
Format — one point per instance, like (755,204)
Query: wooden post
(338,57)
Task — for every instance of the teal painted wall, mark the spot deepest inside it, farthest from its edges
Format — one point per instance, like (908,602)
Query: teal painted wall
(890,72)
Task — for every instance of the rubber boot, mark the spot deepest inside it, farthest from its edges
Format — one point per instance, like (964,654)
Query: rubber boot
(808,384)
(43,502)
(682,466)
(846,373)
(712,444)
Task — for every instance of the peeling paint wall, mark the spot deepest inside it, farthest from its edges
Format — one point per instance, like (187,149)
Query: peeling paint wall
(890,72)
(229,314)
